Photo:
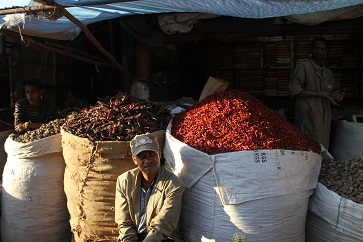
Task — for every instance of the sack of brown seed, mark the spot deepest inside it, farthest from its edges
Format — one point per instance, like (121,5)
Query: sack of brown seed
(336,208)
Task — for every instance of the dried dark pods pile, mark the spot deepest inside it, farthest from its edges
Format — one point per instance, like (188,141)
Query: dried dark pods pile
(234,121)
(118,118)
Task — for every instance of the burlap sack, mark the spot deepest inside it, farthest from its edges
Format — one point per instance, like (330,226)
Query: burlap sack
(90,178)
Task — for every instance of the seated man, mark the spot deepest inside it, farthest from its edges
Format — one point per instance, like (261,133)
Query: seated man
(148,198)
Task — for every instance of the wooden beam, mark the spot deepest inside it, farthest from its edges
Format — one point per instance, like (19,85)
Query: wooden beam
(29,41)
(90,36)
(30,9)
(74,20)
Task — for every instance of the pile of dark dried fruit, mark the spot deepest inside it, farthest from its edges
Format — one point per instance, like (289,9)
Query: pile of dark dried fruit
(45,130)
(118,118)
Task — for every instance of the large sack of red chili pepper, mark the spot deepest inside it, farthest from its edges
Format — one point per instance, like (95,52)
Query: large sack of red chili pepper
(96,150)
(34,205)
(246,169)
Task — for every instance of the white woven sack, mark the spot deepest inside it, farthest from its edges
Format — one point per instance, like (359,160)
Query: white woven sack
(260,192)
(33,200)
(332,218)
(347,140)
(3,156)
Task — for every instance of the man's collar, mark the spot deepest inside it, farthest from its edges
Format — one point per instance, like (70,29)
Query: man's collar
(317,66)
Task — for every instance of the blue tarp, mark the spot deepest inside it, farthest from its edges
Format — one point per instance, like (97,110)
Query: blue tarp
(91,11)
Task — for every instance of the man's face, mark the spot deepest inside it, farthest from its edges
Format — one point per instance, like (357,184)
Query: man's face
(33,95)
(148,162)
(319,51)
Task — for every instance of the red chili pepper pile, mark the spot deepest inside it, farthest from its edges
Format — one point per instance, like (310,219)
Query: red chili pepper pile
(120,117)
(234,121)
